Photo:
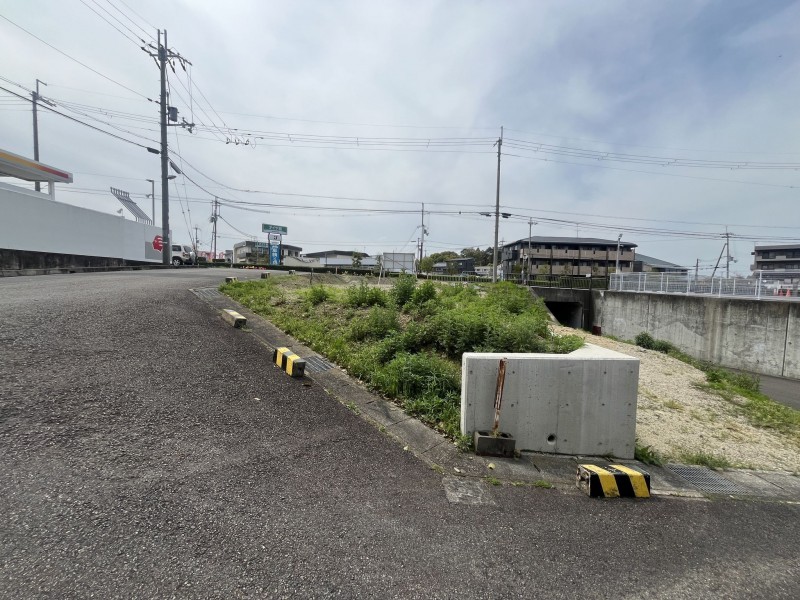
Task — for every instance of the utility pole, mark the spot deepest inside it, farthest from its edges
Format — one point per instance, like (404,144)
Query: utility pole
(166,255)
(422,236)
(214,216)
(697,269)
(35,96)
(163,55)
(497,208)
(531,223)
(196,238)
(619,240)
(728,256)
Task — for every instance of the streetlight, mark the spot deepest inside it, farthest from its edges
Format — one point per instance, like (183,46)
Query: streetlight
(152,195)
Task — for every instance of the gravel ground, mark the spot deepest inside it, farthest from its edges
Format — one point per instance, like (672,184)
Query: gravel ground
(675,417)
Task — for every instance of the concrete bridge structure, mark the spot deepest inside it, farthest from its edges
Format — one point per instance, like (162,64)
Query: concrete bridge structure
(761,336)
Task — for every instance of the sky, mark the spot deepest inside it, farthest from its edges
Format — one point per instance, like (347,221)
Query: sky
(663,122)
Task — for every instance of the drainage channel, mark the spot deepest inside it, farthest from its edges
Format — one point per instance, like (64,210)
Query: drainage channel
(317,364)
(706,480)
(208,293)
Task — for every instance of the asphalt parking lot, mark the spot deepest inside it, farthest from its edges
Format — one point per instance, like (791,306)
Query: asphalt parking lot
(150,450)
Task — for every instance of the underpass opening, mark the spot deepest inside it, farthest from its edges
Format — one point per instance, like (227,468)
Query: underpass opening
(567,313)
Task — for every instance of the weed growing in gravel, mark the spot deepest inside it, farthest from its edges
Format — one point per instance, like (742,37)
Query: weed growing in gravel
(407,343)
(758,408)
(493,480)
(705,459)
(648,455)
(541,483)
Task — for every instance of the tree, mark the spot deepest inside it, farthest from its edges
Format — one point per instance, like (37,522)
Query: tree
(378,264)
(443,256)
(356,259)
(426,264)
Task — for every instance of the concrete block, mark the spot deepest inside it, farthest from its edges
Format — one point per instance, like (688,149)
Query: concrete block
(234,318)
(578,403)
(231,279)
(487,444)
(265,276)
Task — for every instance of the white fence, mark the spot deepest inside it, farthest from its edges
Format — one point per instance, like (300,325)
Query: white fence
(762,285)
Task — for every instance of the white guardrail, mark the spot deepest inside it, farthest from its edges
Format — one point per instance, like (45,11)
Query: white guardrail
(761,285)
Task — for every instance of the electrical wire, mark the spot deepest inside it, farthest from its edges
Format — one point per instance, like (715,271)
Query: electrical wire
(133,40)
(72,58)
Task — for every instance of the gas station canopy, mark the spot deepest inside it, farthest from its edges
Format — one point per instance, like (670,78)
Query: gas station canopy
(13,165)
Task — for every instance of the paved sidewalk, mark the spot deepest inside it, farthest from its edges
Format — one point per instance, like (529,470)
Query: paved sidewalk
(440,454)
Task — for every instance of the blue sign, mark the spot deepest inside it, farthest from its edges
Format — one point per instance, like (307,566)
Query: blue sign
(275,254)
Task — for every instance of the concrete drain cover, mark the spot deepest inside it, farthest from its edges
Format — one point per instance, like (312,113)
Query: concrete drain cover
(706,480)
(208,293)
(464,491)
(317,364)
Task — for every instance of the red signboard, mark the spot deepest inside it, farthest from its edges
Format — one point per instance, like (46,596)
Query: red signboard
(158,243)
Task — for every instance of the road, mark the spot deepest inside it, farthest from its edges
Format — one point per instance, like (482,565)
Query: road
(150,451)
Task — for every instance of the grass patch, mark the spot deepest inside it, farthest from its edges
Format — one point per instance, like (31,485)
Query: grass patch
(493,480)
(705,459)
(648,455)
(407,343)
(673,404)
(541,483)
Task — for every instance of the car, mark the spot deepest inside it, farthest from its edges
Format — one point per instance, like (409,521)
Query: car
(183,255)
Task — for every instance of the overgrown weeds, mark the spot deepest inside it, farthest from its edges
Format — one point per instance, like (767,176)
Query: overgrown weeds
(407,343)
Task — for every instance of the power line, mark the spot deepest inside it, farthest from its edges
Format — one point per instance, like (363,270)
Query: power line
(44,106)
(124,14)
(138,15)
(664,173)
(72,58)
(133,40)
(664,161)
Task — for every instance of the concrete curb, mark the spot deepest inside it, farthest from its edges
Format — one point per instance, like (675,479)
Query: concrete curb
(233,318)
(527,469)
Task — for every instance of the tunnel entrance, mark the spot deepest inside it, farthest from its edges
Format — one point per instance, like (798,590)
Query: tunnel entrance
(567,313)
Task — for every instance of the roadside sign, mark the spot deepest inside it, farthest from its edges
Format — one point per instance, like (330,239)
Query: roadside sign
(266,228)
(275,254)
(274,238)
(158,243)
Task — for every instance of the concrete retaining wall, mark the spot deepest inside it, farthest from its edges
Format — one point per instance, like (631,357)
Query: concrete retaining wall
(762,336)
(578,403)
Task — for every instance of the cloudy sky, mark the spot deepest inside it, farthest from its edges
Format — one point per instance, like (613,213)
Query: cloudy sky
(662,121)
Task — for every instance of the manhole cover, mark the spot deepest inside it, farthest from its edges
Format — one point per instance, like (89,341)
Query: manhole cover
(317,364)
(706,480)
(208,293)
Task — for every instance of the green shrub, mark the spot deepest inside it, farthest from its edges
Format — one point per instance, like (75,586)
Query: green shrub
(380,321)
(510,298)
(403,289)
(645,340)
(317,294)
(417,375)
(423,293)
(365,295)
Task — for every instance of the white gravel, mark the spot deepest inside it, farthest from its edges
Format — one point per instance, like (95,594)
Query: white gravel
(674,417)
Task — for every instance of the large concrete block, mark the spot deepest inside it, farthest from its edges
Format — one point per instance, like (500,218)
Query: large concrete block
(578,403)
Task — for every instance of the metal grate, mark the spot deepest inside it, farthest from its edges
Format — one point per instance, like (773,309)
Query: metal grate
(317,364)
(706,480)
(208,293)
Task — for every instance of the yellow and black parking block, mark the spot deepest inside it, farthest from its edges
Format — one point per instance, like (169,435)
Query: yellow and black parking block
(613,481)
(289,362)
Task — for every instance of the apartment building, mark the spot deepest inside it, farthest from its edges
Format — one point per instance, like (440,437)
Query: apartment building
(567,256)
(781,257)
(258,252)
(648,264)
(776,259)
